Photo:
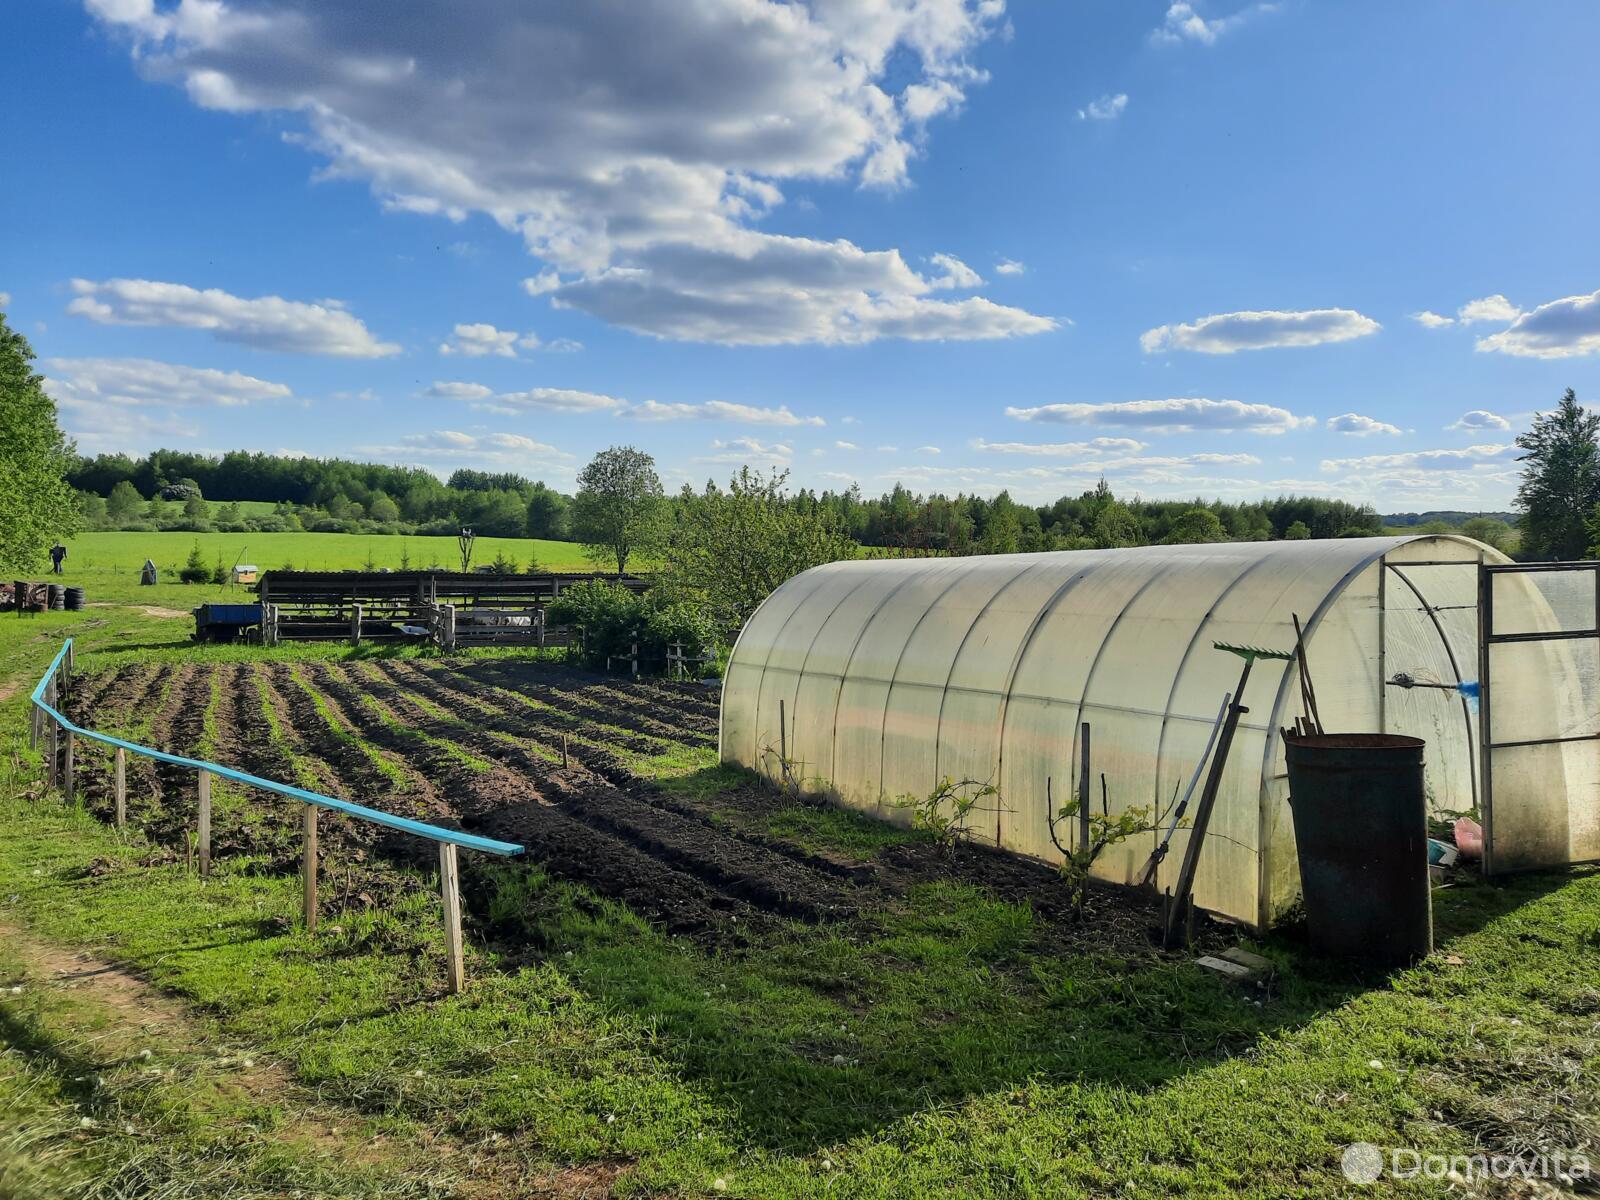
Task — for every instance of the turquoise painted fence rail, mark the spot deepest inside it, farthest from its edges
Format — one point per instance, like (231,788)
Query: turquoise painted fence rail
(46,696)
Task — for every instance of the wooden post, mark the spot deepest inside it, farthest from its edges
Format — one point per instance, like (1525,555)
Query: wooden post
(563,751)
(119,785)
(34,727)
(308,867)
(355,624)
(449,886)
(67,765)
(635,653)
(1083,791)
(204,823)
(52,742)
(538,616)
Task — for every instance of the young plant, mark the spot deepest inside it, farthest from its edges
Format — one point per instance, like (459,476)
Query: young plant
(1105,830)
(943,813)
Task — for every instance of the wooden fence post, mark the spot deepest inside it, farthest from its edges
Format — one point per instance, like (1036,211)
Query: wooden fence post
(67,781)
(308,867)
(52,743)
(204,823)
(119,785)
(1083,791)
(635,653)
(449,886)
(355,624)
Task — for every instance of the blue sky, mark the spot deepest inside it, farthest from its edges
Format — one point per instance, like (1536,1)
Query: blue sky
(1202,249)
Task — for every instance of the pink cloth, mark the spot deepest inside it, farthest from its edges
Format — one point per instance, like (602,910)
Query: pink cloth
(1469,838)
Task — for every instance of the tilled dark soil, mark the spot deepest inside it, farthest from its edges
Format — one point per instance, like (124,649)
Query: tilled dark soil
(525,753)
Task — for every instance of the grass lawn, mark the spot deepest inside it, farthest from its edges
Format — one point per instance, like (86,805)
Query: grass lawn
(945,1044)
(92,556)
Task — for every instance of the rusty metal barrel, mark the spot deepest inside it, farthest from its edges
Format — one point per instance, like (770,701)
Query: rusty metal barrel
(1361,831)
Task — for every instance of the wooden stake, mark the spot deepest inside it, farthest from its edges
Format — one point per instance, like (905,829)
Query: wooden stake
(119,785)
(449,886)
(204,822)
(67,765)
(1083,791)
(563,751)
(51,744)
(308,867)
(355,624)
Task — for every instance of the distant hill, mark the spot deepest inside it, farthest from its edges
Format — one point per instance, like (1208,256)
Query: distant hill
(1449,516)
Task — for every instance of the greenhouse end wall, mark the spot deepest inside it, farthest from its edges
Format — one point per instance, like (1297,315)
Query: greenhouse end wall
(891,675)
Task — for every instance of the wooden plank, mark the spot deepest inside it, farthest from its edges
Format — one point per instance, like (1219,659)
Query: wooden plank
(449,886)
(52,736)
(119,785)
(204,822)
(67,779)
(308,867)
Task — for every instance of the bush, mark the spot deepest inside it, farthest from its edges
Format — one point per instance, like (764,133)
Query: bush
(610,617)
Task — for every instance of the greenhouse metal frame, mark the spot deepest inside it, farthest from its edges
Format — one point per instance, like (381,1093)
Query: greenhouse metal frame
(872,681)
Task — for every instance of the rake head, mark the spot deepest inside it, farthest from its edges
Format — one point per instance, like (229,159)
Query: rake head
(1251,653)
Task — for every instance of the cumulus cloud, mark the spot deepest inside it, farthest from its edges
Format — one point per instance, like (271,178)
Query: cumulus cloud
(1096,446)
(1183,23)
(1431,320)
(954,273)
(5,299)
(743,449)
(1494,308)
(1106,108)
(720,410)
(450,390)
(450,447)
(1468,457)
(542,283)
(1009,266)
(1566,328)
(1479,419)
(90,383)
(266,322)
(630,145)
(1359,426)
(477,340)
(544,399)
(1224,333)
(845,446)
(1181,415)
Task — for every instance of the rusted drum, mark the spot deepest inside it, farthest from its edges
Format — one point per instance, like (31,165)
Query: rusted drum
(1361,830)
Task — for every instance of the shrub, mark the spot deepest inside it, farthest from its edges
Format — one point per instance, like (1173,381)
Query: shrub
(610,617)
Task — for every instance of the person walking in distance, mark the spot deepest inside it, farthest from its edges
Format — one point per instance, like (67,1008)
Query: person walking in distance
(58,554)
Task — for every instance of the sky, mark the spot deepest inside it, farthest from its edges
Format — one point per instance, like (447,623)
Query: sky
(1200,249)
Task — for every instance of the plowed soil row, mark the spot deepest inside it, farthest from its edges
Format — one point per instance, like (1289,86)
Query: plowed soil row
(664,716)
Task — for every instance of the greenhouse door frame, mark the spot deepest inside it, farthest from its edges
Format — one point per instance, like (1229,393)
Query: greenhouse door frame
(1488,638)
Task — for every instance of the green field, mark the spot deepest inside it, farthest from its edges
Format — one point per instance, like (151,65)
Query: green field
(99,554)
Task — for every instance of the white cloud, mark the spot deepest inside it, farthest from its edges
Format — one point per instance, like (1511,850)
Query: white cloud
(130,403)
(1184,24)
(267,322)
(719,410)
(1431,320)
(1427,460)
(1106,108)
(5,299)
(477,340)
(1494,308)
(542,283)
(632,146)
(1097,446)
(447,390)
(845,446)
(929,450)
(452,448)
(544,399)
(1181,415)
(1359,426)
(1009,266)
(86,383)
(956,274)
(743,449)
(1225,333)
(1479,419)
(1566,328)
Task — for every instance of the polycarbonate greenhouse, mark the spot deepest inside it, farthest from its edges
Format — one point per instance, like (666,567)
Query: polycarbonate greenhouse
(873,680)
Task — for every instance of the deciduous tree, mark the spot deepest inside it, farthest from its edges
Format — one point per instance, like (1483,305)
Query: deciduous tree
(37,504)
(620,510)
(1560,480)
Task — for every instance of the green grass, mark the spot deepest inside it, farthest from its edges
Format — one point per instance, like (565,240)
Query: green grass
(942,1043)
(124,553)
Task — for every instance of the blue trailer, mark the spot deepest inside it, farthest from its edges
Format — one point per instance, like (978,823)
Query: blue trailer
(225,622)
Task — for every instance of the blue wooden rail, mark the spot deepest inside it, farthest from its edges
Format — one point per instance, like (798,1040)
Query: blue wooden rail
(45,698)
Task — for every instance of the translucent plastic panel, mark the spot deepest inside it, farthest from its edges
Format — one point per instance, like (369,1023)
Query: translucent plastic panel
(1543,810)
(1543,601)
(741,686)
(1543,690)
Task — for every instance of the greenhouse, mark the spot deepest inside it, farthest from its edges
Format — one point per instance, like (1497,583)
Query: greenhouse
(872,681)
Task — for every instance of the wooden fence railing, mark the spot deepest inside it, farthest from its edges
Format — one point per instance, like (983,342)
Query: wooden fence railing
(60,737)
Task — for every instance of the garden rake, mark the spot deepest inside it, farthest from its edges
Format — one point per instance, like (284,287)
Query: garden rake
(1176,911)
